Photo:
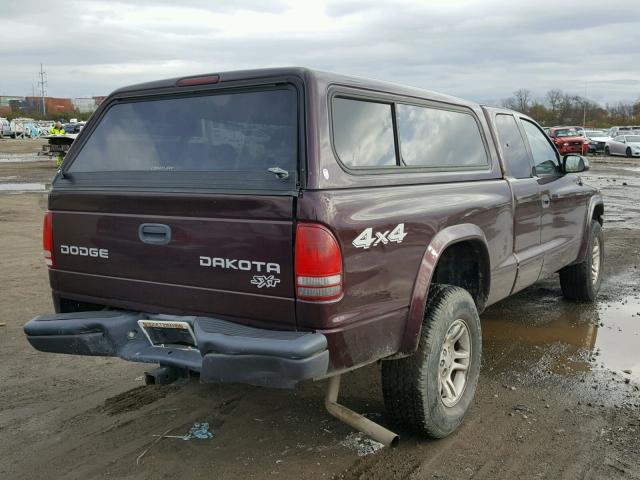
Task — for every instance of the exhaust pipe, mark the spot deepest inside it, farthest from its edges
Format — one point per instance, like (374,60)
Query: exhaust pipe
(355,420)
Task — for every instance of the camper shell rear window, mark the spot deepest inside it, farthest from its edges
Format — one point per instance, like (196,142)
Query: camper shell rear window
(226,140)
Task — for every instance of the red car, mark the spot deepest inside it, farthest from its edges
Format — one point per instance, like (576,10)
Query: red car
(569,140)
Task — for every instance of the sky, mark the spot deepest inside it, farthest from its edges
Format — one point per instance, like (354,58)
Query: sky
(481,50)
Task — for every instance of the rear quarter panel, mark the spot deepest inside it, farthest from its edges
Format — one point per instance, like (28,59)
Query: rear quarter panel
(370,321)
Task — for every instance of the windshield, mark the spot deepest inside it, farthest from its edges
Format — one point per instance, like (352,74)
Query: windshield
(567,132)
(248,131)
(633,138)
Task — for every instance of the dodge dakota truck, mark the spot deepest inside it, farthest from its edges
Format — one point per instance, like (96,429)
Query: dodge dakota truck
(273,226)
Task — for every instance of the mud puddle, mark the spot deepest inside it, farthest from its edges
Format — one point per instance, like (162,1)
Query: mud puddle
(22,187)
(576,338)
(20,157)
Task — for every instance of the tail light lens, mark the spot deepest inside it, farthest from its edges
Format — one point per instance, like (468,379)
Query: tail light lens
(47,240)
(318,264)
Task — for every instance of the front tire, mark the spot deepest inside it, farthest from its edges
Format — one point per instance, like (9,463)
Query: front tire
(581,282)
(607,152)
(431,391)
(628,152)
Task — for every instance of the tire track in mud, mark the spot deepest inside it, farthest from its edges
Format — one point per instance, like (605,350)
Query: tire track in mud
(136,398)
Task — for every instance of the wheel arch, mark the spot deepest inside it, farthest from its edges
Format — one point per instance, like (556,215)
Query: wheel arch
(453,237)
(595,211)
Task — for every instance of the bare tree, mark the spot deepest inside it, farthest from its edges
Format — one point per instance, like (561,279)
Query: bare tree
(523,98)
(520,101)
(554,98)
(560,108)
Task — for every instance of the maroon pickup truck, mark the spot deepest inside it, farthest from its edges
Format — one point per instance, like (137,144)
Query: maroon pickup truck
(273,226)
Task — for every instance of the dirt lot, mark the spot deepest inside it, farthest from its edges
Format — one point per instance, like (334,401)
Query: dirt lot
(554,400)
(10,146)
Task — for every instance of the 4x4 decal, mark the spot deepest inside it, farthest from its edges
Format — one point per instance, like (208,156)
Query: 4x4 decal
(370,238)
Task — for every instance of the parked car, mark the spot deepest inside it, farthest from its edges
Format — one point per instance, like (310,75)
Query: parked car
(5,128)
(597,140)
(627,145)
(623,130)
(272,226)
(72,127)
(22,127)
(569,140)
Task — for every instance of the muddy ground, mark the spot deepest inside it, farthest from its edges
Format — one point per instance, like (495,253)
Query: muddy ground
(13,147)
(554,400)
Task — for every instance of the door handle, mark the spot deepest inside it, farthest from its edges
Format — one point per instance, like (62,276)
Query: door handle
(154,233)
(546,201)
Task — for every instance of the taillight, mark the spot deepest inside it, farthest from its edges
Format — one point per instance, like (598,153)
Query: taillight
(318,263)
(47,240)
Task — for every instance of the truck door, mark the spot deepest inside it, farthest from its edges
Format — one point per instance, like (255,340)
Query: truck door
(527,202)
(564,202)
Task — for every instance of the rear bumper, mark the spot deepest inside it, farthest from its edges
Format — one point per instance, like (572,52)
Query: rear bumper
(226,352)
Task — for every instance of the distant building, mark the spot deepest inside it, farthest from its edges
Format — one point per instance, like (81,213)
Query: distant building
(5,104)
(29,105)
(58,105)
(84,105)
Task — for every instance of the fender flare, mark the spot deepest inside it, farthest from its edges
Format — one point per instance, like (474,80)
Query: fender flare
(595,201)
(443,239)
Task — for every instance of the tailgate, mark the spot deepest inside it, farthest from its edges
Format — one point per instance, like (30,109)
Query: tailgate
(227,255)
(182,202)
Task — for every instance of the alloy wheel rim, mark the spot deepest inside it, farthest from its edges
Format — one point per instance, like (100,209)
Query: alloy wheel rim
(455,360)
(595,261)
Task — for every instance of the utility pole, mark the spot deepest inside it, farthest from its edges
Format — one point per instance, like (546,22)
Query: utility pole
(584,107)
(43,83)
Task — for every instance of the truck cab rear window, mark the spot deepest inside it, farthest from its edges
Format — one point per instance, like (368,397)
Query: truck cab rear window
(249,131)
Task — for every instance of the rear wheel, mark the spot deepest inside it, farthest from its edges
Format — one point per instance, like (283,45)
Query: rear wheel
(431,391)
(628,152)
(581,281)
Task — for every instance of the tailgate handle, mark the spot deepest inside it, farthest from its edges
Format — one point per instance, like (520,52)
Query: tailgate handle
(154,233)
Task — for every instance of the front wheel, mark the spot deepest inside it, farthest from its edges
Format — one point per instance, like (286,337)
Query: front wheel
(431,391)
(607,152)
(628,152)
(581,282)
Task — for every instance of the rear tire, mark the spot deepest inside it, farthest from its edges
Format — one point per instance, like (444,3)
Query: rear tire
(431,391)
(581,282)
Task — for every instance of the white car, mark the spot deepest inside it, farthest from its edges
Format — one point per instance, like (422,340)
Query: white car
(628,145)
(5,128)
(623,130)
(597,140)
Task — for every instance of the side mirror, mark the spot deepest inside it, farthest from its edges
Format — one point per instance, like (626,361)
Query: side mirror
(574,164)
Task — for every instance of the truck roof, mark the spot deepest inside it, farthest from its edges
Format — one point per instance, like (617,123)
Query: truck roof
(311,75)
